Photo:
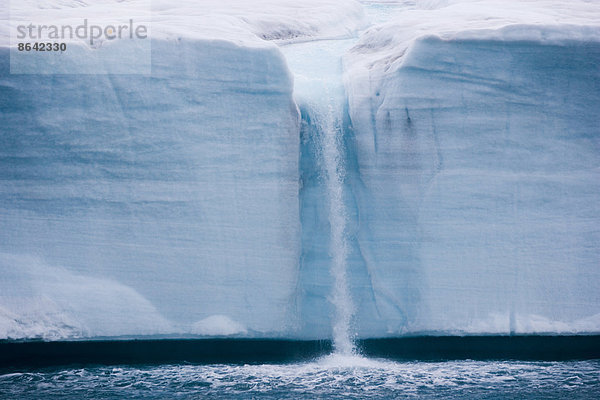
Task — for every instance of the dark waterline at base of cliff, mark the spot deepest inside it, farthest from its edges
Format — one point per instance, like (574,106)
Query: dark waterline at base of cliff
(36,354)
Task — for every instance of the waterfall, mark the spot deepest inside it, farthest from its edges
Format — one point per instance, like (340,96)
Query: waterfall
(330,127)
(319,91)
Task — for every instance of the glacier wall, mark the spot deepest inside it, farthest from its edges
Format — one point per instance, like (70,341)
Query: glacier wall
(462,153)
(177,192)
(477,183)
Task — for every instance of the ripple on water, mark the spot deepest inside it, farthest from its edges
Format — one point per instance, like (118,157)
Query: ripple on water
(330,377)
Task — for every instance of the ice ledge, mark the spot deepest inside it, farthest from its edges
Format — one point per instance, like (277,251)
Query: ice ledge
(248,23)
(382,47)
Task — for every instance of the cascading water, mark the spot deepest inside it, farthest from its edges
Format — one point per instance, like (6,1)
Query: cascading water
(333,169)
(319,92)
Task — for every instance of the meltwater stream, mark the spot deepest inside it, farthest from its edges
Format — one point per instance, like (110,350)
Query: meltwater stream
(320,94)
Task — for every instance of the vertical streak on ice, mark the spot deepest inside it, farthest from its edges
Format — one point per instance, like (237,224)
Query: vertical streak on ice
(332,159)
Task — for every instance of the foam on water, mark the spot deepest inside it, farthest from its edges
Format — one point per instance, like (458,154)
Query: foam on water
(331,377)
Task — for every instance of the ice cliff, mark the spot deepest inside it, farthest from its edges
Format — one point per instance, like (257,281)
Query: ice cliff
(172,196)
(477,166)
(194,200)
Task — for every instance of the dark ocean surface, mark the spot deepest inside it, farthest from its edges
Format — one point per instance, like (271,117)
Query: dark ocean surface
(422,367)
(330,377)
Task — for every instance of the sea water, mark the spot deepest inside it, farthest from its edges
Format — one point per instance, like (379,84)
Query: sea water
(331,377)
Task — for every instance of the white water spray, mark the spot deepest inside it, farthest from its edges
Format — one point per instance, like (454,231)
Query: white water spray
(330,127)
(319,89)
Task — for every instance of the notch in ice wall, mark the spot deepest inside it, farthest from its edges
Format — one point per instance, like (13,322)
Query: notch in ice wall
(324,265)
